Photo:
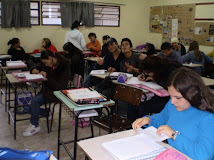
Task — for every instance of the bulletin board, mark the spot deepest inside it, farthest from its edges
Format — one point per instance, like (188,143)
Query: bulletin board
(174,21)
(204,33)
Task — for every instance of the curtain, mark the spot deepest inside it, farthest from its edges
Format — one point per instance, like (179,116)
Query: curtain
(15,13)
(81,11)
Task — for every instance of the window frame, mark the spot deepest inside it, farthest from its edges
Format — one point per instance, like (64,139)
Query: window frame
(42,13)
(100,5)
(38,2)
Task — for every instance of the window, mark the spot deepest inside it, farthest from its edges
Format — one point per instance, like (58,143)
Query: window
(106,15)
(34,12)
(51,13)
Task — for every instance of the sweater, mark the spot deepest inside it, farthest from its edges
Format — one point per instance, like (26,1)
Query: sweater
(174,56)
(190,58)
(196,129)
(76,38)
(17,54)
(95,47)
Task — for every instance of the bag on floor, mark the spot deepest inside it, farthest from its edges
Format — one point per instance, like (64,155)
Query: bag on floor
(12,154)
(23,101)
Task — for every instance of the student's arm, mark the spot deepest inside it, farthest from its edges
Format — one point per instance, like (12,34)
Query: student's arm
(187,57)
(66,37)
(96,48)
(203,147)
(82,42)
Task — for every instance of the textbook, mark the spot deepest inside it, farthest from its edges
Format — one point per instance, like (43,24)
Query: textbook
(136,147)
(84,96)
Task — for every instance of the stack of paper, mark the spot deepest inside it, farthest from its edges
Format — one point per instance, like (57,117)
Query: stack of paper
(98,72)
(15,64)
(29,76)
(137,147)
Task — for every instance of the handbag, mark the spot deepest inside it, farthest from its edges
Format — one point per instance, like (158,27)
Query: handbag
(13,154)
(24,98)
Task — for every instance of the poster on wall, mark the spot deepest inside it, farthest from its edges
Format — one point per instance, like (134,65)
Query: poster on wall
(211,30)
(174,28)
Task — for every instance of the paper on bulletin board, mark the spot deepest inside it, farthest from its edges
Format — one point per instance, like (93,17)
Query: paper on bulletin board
(174,28)
(198,30)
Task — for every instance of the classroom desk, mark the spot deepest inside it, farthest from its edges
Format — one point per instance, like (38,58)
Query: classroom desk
(88,59)
(4,71)
(94,150)
(88,53)
(208,81)
(14,83)
(70,108)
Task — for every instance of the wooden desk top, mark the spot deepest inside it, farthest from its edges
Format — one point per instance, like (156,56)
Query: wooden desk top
(93,147)
(93,59)
(192,65)
(208,81)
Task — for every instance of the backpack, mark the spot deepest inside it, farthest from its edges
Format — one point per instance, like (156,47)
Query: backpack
(23,101)
(12,154)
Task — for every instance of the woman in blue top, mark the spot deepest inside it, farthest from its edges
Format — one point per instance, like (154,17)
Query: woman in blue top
(188,117)
(196,56)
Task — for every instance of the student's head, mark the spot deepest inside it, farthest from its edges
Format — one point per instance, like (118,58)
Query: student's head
(92,36)
(157,66)
(112,44)
(186,88)
(174,42)
(166,49)
(194,46)
(75,24)
(150,48)
(14,42)
(126,44)
(47,58)
(46,43)
(105,38)
(69,48)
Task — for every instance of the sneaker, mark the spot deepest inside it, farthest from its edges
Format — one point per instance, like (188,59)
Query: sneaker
(31,130)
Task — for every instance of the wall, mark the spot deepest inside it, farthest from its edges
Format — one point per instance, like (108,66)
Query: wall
(150,37)
(129,27)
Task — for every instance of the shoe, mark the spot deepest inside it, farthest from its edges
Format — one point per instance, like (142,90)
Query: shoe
(31,130)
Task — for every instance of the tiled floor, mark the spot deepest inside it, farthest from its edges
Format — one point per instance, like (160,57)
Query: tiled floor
(42,140)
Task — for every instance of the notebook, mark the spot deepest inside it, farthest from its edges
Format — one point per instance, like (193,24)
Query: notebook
(116,74)
(98,72)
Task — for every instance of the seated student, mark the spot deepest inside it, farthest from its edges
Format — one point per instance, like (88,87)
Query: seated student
(141,47)
(46,44)
(94,45)
(75,36)
(178,46)
(16,51)
(156,69)
(188,117)
(150,51)
(76,57)
(131,63)
(111,63)
(56,69)
(196,56)
(167,51)
(105,50)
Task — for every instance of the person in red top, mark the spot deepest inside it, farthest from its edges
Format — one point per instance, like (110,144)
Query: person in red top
(94,45)
(46,44)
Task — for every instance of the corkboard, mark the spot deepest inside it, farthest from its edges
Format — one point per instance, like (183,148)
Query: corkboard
(155,19)
(204,33)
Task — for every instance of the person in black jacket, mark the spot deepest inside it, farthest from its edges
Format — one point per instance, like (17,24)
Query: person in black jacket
(16,51)
(56,69)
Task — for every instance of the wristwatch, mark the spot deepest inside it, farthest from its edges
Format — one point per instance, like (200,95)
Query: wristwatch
(174,134)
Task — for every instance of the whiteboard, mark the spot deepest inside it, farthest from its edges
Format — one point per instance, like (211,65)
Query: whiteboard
(205,11)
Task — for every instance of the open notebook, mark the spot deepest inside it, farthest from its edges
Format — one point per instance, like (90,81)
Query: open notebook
(138,147)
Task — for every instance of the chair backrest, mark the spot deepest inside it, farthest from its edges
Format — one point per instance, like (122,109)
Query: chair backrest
(78,81)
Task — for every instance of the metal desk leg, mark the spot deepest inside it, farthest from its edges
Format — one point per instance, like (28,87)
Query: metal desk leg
(15,110)
(1,85)
(59,129)
(6,96)
(75,135)
(9,113)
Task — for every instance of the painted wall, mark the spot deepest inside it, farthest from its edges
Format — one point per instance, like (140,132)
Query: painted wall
(134,24)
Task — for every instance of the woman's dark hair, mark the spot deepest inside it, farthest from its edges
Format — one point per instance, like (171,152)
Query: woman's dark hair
(195,47)
(13,41)
(151,49)
(46,53)
(92,35)
(106,37)
(47,42)
(159,66)
(192,88)
(72,49)
(75,24)
(128,40)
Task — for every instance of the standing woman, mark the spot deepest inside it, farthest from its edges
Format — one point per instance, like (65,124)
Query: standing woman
(46,44)
(188,117)
(16,51)
(56,69)
(196,56)
(76,57)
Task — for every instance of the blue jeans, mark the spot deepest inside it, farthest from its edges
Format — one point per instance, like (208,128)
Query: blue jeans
(35,110)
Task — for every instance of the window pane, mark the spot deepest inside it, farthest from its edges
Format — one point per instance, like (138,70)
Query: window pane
(34,5)
(51,13)
(106,15)
(52,21)
(34,13)
(34,21)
